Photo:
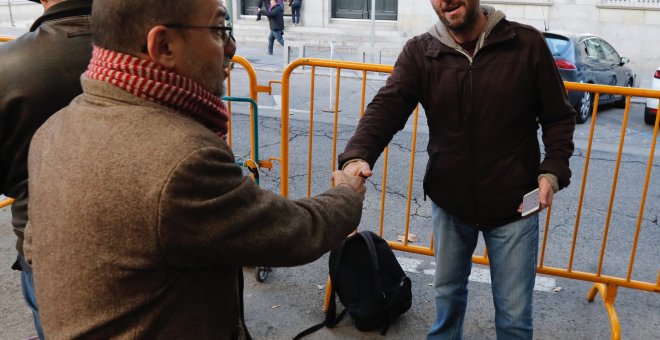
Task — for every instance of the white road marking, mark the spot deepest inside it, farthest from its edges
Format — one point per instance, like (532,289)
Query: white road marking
(278,101)
(478,274)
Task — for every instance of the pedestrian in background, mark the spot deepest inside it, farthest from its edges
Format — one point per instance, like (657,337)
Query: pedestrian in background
(40,74)
(276,22)
(260,5)
(295,11)
(487,85)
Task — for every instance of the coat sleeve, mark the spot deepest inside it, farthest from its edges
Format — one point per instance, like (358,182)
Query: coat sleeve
(557,117)
(273,13)
(388,111)
(212,215)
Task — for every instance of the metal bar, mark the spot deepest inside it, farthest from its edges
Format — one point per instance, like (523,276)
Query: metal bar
(649,167)
(383,191)
(410,180)
(336,122)
(614,183)
(229,129)
(311,132)
(254,121)
(545,236)
(6,202)
(576,229)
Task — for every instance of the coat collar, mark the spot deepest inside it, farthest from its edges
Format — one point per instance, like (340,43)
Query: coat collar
(495,31)
(64,9)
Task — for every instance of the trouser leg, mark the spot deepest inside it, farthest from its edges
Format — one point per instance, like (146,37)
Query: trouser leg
(27,285)
(454,243)
(271,39)
(278,36)
(512,251)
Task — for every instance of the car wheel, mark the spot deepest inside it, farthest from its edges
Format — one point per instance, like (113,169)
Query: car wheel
(649,118)
(585,108)
(621,103)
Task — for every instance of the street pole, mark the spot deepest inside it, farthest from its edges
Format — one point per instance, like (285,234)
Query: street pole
(373,29)
(11,17)
(230,7)
(331,107)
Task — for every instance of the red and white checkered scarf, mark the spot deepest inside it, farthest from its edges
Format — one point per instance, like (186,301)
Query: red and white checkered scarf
(150,81)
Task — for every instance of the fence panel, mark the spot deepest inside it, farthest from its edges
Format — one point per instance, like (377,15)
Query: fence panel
(616,215)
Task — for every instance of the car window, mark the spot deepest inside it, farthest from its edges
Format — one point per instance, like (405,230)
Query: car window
(557,45)
(593,48)
(610,53)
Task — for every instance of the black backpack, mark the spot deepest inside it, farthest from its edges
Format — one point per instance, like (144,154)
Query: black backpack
(369,282)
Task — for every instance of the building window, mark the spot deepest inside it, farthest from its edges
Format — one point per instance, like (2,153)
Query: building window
(520,2)
(653,4)
(361,9)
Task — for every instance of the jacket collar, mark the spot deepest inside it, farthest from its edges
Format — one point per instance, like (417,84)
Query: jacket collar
(64,9)
(494,16)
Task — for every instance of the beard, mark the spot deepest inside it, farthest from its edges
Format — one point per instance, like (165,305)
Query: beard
(210,78)
(460,23)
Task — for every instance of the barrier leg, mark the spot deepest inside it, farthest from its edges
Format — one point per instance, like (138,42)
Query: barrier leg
(328,292)
(608,293)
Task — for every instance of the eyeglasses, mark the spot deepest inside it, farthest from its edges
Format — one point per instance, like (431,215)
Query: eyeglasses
(225,32)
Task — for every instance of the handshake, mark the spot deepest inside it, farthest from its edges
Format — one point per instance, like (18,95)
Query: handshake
(354,174)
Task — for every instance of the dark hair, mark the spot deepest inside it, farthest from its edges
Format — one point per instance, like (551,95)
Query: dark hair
(123,25)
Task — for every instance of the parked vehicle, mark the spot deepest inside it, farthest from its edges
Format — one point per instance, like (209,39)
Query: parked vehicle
(651,108)
(586,58)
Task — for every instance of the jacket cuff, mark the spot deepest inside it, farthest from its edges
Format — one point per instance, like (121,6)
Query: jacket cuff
(352,161)
(554,182)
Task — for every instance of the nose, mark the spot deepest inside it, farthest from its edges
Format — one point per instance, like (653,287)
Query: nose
(230,49)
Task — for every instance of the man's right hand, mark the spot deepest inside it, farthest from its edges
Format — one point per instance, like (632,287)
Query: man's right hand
(356,183)
(358,168)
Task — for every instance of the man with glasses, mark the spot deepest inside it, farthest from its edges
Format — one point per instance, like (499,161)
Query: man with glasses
(142,220)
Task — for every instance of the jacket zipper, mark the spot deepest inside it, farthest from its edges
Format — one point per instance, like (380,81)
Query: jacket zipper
(471,133)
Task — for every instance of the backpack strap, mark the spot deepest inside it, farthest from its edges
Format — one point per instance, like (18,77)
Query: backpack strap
(367,236)
(331,317)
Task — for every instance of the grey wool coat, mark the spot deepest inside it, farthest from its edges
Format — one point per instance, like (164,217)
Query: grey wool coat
(140,222)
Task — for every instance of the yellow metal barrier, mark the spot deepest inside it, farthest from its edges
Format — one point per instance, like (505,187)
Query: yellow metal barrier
(254,90)
(606,285)
(6,202)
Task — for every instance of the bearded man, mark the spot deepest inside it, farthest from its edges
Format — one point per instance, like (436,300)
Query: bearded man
(486,84)
(140,219)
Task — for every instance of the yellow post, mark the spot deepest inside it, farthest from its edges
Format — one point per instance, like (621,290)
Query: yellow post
(608,293)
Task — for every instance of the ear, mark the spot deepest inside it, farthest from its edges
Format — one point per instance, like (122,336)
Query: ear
(159,46)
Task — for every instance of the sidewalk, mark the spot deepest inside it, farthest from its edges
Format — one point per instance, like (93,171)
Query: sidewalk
(262,61)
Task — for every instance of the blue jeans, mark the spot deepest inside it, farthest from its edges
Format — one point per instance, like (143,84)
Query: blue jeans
(27,284)
(295,13)
(274,35)
(512,251)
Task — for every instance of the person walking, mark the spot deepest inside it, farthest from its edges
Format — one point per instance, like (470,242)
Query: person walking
(487,85)
(40,75)
(276,21)
(140,218)
(295,11)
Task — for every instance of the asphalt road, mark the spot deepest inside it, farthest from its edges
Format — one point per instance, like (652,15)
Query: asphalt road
(290,299)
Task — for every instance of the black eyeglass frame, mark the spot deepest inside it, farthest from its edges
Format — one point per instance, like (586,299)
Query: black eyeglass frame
(226,28)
